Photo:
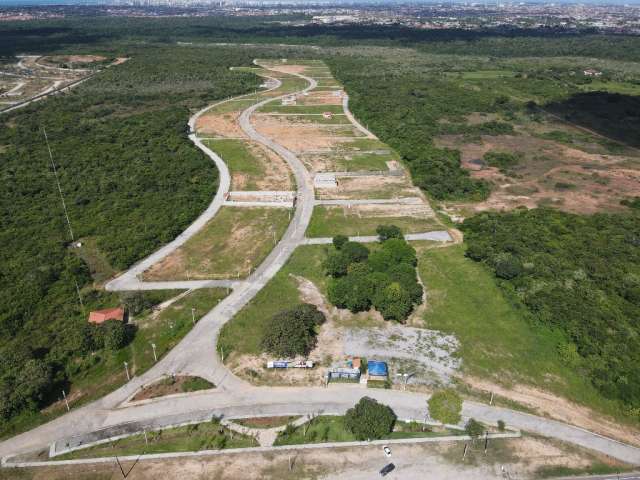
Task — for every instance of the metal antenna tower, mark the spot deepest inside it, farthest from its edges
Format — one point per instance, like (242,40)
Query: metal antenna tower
(55,174)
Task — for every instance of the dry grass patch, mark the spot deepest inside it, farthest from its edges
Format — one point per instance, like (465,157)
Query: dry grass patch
(232,244)
(367,187)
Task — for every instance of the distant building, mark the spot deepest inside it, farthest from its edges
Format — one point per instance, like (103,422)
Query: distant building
(590,72)
(100,316)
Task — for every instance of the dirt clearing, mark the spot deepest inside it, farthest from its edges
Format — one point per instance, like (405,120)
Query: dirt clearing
(559,408)
(220,125)
(370,187)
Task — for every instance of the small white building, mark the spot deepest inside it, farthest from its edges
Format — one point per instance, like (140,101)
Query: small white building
(590,72)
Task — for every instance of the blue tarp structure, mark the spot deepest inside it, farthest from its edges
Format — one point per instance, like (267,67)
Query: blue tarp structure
(376,368)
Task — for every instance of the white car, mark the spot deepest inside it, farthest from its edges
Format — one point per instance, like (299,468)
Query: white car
(387,451)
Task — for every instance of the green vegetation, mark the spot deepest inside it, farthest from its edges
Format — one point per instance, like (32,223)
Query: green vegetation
(328,221)
(123,160)
(579,276)
(292,332)
(194,384)
(501,160)
(473,428)
(243,333)
(369,419)
(384,279)
(190,438)
(100,371)
(232,243)
(445,406)
(240,160)
(496,339)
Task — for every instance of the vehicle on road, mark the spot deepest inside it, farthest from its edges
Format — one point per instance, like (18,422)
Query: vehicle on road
(387,451)
(387,469)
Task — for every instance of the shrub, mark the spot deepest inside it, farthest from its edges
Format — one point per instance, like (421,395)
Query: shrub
(445,406)
(385,232)
(474,428)
(292,332)
(355,252)
(369,419)
(339,241)
(501,425)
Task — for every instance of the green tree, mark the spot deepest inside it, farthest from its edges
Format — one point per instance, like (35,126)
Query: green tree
(445,406)
(385,232)
(339,241)
(116,334)
(292,332)
(393,302)
(473,428)
(336,264)
(355,252)
(369,419)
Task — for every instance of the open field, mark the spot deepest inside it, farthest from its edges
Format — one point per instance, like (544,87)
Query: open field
(502,352)
(328,221)
(231,244)
(201,436)
(368,187)
(252,166)
(242,334)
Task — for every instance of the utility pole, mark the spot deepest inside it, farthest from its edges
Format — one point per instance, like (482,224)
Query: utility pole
(126,369)
(55,174)
(155,357)
(193,315)
(64,395)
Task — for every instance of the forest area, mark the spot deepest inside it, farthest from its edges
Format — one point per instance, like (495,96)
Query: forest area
(131,180)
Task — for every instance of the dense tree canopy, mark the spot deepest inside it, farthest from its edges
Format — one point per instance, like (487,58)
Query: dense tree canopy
(385,278)
(369,419)
(579,274)
(292,332)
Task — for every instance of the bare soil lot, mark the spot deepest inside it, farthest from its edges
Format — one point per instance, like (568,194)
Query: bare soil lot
(230,245)
(220,125)
(368,187)
(548,173)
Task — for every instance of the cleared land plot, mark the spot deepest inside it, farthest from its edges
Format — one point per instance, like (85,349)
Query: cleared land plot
(313,118)
(224,125)
(315,98)
(252,166)
(303,137)
(242,334)
(275,107)
(230,245)
(374,186)
(343,162)
(328,221)
(190,438)
(556,167)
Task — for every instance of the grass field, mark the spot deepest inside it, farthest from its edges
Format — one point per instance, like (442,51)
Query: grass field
(240,160)
(232,244)
(328,221)
(497,342)
(190,438)
(242,334)
(330,428)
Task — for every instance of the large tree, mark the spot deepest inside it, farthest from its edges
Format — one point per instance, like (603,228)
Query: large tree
(369,419)
(292,332)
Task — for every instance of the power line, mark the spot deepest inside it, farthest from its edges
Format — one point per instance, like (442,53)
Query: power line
(55,174)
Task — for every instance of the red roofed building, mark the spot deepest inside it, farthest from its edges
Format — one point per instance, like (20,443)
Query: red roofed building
(99,316)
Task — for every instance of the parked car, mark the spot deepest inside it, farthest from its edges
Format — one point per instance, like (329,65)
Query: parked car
(387,469)
(387,451)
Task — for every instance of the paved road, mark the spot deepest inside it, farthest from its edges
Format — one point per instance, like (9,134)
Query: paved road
(437,236)
(196,355)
